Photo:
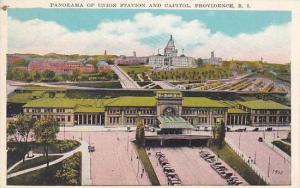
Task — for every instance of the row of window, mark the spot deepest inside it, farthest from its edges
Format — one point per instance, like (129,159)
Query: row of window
(144,112)
(45,110)
(58,118)
(272,119)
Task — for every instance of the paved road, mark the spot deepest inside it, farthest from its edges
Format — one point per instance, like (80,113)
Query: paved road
(126,81)
(111,163)
(280,168)
(190,167)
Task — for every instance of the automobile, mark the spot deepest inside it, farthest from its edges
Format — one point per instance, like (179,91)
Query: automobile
(91,148)
(205,128)
(129,129)
(228,129)
(256,129)
(171,174)
(166,170)
(269,129)
(260,139)
(152,129)
(240,130)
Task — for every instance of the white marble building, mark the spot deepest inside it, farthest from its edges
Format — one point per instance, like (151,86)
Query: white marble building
(213,60)
(170,59)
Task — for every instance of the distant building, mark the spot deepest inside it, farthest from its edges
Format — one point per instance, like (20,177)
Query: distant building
(60,66)
(170,58)
(130,60)
(213,60)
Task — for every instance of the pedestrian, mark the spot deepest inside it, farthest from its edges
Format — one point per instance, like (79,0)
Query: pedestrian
(141,175)
(143,170)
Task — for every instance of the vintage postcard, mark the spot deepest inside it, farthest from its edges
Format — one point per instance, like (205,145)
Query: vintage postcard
(149,93)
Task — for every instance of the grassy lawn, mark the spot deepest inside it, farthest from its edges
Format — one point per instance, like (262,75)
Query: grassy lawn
(34,162)
(147,164)
(60,146)
(283,146)
(49,176)
(235,162)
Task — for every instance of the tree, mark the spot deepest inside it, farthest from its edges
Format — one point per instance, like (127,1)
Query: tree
(288,138)
(199,62)
(49,75)
(45,130)
(20,129)
(37,77)
(75,74)
(140,133)
(221,134)
(70,170)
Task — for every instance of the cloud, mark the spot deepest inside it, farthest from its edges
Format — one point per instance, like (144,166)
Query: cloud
(125,36)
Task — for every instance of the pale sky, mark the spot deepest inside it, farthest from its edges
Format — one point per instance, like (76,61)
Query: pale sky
(244,35)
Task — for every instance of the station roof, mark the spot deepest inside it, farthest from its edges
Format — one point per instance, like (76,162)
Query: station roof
(51,103)
(133,101)
(201,102)
(264,105)
(79,105)
(173,123)
(236,111)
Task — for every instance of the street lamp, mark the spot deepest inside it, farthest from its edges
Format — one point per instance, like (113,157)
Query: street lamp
(239,140)
(255,157)
(138,166)
(269,166)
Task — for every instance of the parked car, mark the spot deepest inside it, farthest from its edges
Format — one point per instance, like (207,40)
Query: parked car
(256,129)
(269,129)
(91,148)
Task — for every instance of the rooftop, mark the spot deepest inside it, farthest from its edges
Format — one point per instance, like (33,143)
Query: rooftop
(262,104)
(201,102)
(236,111)
(79,105)
(173,123)
(134,101)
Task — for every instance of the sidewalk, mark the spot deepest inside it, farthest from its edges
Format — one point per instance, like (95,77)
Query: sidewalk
(94,128)
(268,141)
(243,156)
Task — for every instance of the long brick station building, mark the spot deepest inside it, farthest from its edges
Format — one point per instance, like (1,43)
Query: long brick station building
(166,105)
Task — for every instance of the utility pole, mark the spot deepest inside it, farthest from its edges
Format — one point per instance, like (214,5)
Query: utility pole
(64,131)
(269,167)
(138,167)
(255,157)
(127,141)
(239,140)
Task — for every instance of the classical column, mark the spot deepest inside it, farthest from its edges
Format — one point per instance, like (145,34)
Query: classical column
(100,119)
(233,119)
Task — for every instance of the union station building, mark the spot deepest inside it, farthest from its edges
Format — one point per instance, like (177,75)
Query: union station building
(125,111)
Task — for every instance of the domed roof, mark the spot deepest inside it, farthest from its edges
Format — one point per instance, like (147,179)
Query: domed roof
(170,43)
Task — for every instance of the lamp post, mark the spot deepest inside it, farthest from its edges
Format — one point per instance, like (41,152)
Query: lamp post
(255,157)
(64,131)
(138,166)
(127,141)
(239,140)
(269,166)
